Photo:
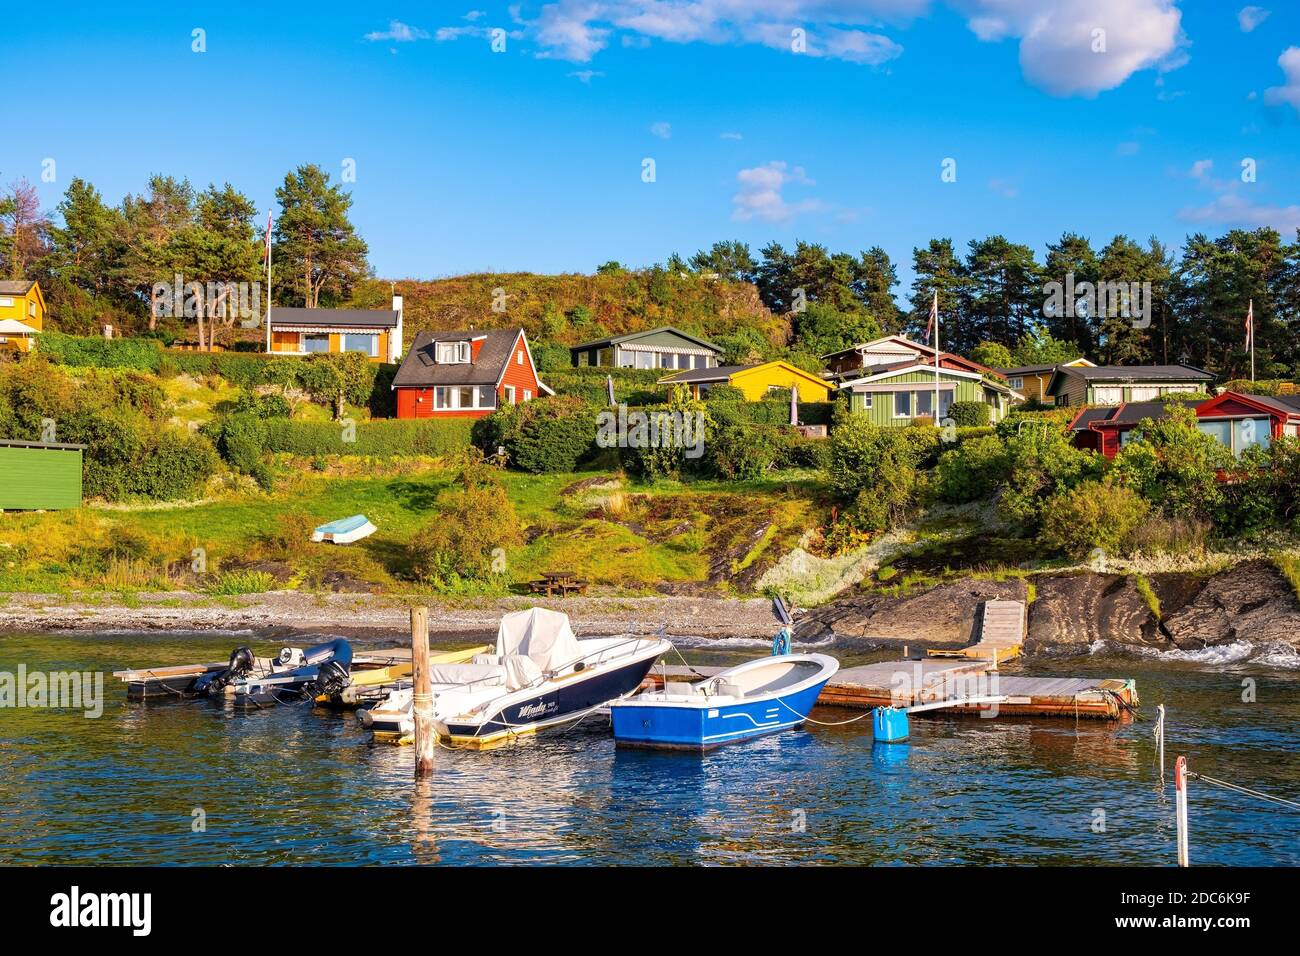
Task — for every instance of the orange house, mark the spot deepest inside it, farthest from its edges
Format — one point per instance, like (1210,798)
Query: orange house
(375,333)
(466,374)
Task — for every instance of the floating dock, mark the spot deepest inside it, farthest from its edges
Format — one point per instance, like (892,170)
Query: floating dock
(1002,634)
(907,683)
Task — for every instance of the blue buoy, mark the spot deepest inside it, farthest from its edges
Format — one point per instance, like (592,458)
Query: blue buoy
(889,724)
(781,643)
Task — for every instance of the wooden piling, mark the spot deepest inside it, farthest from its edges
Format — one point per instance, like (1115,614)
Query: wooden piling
(422,693)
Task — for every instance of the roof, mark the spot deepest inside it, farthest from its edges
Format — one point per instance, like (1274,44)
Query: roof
(1135,373)
(617,339)
(719,374)
(57,446)
(14,327)
(420,369)
(342,318)
(905,342)
(1291,401)
(1128,413)
(1040,369)
(1275,403)
(16,286)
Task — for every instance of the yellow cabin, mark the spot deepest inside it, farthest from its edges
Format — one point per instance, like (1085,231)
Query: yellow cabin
(1031,381)
(756,381)
(22,314)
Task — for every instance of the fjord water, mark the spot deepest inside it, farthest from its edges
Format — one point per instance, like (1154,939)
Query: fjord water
(294,785)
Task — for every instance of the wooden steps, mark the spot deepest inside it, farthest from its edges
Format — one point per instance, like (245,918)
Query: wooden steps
(1002,635)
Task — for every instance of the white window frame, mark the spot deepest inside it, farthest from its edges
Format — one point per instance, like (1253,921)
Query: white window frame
(374,342)
(1017,383)
(452,398)
(302,342)
(1108,389)
(528,395)
(908,413)
(6,302)
(452,353)
(510,394)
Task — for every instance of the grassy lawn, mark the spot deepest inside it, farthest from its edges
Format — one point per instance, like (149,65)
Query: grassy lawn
(623,537)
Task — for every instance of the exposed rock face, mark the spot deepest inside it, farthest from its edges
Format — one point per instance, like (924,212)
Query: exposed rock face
(1078,609)
(945,614)
(1251,601)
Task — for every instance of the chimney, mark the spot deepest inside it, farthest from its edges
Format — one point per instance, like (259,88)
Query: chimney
(395,340)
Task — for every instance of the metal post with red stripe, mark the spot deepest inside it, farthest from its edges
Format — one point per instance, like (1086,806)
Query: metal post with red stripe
(1180,807)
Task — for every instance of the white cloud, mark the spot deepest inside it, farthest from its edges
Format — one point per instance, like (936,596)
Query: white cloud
(1289,92)
(398,32)
(1061,48)
(474,15)
(662,129)
(585,76)
(1231,207)
(1129,147)
(760,194)
(1004,188)
(1250,17)
(730,135)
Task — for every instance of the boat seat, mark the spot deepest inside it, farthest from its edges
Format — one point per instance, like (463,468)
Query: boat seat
(481,675)
(724,689)
(679,688)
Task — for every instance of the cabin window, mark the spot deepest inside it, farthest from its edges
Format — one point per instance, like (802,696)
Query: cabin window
(1108,395)
(6,302)
(487,397)
(645,359)
(31,309)
(465,395)
(945,403)
(902,404)
(866,402)
(626,359)
(510,394)
(1144,393)
(1220,431)
(1017,383)
(925,404)
(519,357)
(442,398)
(528,395)
(1251,431)
(452,353)
(683,360)
(315,343)
(367,344)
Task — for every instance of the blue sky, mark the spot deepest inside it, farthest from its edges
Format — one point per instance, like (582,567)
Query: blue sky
(531,159)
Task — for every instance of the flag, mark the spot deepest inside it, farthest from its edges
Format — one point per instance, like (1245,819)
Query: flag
(1250,325)
(934,316)
(268,237)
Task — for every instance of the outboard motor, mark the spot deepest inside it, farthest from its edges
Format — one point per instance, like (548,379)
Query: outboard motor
(334,664)
(241,665)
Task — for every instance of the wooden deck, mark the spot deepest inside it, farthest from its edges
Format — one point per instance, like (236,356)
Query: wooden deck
(903,683)
(1002,634)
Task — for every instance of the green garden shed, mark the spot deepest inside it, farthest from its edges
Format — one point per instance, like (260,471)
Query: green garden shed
(39,476)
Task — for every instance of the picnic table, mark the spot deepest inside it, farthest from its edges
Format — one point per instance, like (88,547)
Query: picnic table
(561,581)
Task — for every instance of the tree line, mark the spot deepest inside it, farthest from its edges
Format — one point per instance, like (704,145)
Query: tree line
(994,299)
(99,263)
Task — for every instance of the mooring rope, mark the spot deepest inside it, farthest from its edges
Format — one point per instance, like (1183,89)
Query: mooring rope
(1246,790)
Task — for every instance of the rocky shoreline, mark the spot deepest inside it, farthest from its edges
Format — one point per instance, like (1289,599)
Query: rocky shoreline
(1251,601)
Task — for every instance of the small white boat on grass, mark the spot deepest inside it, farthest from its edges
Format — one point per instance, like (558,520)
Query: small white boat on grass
(758,697)
(540,676)
(345,530)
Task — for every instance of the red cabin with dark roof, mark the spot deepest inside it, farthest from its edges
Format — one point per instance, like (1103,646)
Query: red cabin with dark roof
(466,374)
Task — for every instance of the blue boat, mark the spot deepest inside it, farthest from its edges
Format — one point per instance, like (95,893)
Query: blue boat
(759,697)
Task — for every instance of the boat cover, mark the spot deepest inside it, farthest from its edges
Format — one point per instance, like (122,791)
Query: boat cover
(541,634)
(481,675)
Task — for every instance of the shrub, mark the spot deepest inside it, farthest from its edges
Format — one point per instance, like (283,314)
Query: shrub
(743,452)
(240,581)
(141,354)
(382,439)
(1094,514)
(724,393)
(467,540)
(800,452)
(970,414)
(545,435)
(1042,461)
(267,405)
(1174,465)
(972,470)
(682,425)
(877,469)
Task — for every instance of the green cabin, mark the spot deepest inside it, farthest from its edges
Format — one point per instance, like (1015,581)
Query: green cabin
(900,395)
(664,347)
(38,476)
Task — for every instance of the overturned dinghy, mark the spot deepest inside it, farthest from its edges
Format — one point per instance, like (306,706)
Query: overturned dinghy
(539,676)
(323,670)
(345,530)
(755,698)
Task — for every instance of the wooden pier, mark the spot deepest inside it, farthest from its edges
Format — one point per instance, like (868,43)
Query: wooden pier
(906,683)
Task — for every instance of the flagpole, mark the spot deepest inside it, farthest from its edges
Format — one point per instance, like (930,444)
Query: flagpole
(936,356)
(268,284)
(1250,318)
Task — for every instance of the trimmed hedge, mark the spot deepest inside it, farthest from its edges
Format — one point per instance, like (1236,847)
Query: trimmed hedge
(83,351)
(381,439)
(769,412)
(970,414)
